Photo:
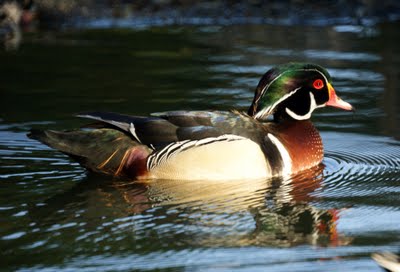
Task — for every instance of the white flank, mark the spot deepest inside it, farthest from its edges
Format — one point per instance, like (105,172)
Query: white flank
(313,106)
(227,157)
(287,161)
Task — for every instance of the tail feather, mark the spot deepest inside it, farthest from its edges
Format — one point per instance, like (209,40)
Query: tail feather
(104,150)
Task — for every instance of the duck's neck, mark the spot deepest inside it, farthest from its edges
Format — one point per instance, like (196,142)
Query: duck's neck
(302,142)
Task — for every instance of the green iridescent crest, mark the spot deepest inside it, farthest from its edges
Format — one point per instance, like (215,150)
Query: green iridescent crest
(280,83)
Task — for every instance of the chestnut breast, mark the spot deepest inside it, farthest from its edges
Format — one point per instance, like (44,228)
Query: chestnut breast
(303,143)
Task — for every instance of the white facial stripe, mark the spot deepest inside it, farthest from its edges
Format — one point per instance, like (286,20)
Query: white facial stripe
(326,80)
(313,106)
(287,161)
(267,86)
(269,109)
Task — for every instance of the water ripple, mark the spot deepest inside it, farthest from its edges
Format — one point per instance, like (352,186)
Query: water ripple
(231,259)
(353,74)
(356,74)
(358,165)
(314,54)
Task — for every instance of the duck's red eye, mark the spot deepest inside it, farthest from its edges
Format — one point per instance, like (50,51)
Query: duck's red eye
(318,84)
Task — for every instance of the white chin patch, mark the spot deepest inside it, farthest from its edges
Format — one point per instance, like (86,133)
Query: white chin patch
(313,106)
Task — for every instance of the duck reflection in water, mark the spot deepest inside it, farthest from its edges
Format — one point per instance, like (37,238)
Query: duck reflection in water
(281,207)
(272,212)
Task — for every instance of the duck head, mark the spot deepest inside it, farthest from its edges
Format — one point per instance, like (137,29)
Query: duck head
(294,91)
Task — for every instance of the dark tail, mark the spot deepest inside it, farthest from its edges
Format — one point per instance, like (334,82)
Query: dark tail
(107,151)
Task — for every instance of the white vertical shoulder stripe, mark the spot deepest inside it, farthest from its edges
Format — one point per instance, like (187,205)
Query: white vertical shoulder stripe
(133,132)
(287,161)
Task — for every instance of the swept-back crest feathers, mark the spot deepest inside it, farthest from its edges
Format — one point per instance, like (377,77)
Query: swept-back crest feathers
(280,83)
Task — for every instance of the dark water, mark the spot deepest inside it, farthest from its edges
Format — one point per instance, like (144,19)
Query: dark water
(56,216)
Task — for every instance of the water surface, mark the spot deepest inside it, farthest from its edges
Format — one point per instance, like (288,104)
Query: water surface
(56,216)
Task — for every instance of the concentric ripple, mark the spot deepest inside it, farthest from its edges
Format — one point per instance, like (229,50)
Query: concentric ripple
(360,165)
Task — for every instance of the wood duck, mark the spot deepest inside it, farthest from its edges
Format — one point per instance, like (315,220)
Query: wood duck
(275,136)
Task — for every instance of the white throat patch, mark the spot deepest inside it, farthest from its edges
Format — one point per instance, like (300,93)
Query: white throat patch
(269,110)
(313,106)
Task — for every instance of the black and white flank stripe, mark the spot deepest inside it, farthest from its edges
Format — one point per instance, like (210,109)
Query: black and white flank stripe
(175,148)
